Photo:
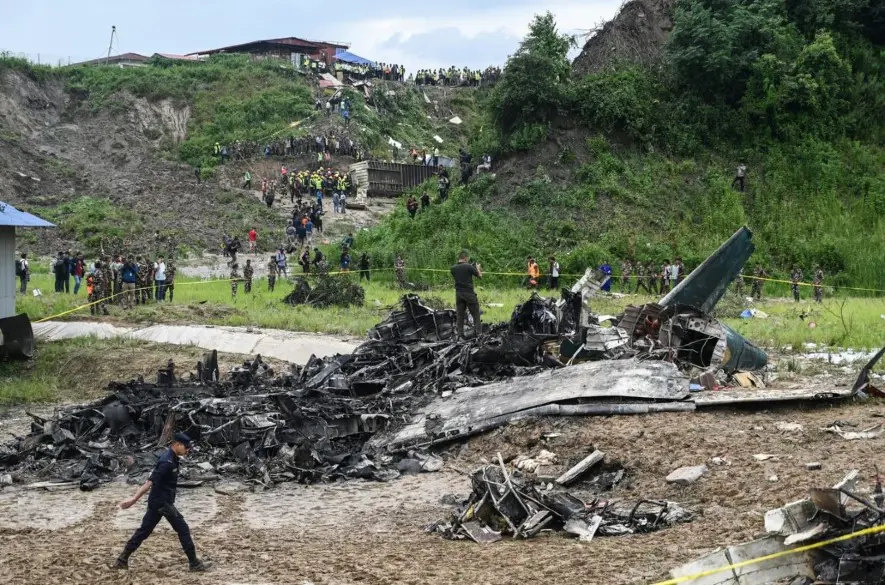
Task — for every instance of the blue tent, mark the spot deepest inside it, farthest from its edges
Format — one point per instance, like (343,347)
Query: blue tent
(349,57)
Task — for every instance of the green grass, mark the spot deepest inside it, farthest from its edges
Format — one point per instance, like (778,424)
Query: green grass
(210,302)
(77,370)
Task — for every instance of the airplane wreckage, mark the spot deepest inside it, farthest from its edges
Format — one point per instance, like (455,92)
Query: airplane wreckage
(412,385)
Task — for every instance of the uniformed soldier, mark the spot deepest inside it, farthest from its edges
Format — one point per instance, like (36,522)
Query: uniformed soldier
(818,284)
(271,273)
(99,290)
(652,278)
(640,278)
(739,285)
(162,486)
(143,283)
(248,271)
(758,274)
(400,270)
(234,279)
(626,270)
(170,277)
(795,279)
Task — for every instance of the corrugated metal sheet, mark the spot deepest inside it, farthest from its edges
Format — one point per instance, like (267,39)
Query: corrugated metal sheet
(7,272)
(10,216)
(383,179)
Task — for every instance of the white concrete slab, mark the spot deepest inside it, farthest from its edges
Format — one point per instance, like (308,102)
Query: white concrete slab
(289,346)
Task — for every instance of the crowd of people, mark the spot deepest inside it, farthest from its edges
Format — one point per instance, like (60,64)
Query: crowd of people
(323,146)
(659,278)
(455,77)
(121,279)
(312,195)
(451,76)
(322,184)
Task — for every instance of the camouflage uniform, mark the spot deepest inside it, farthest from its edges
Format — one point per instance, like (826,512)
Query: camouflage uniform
(795,278)
(640,279)
(170,279)
(234,280)
(739,285)
(626,269)
(652,278)
(143,283)
(99,296)
(400,269)
(117,272)
(818,288)
(248,271)
(271,274)
(757,283)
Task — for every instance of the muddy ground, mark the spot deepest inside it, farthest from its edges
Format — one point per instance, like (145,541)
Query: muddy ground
(372,533)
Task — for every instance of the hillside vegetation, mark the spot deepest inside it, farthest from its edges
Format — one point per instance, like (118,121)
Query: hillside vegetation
(637,159)
(84,145)
(232,97)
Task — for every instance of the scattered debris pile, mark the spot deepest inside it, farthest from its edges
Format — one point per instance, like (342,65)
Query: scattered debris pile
(327,291)
(827,514)
(309,424)
(514,504)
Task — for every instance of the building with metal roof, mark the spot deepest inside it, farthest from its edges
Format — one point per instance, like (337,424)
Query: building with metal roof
(11,218)
(285,48)
(122,60)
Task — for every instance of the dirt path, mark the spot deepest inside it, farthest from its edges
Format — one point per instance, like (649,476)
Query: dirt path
(287,346)
(372,533)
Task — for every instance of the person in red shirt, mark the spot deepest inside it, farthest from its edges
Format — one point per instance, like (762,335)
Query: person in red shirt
(253,239)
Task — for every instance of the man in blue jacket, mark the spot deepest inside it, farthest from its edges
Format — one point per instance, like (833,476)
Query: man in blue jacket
(162,486)
(130,277)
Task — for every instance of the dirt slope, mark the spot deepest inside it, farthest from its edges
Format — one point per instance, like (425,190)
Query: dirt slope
(637,34)
(54,150)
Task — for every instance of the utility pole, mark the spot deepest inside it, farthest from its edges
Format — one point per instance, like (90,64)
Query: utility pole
(111,45)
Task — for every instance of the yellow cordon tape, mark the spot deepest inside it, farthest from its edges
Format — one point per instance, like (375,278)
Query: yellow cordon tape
(792,551)
(444,270)
(121,293)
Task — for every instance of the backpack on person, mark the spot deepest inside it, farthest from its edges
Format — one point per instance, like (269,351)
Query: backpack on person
(19,268)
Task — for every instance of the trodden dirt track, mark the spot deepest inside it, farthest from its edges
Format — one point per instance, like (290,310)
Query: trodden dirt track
(372,533)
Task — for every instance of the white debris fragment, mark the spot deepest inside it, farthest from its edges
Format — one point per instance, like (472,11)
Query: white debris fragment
(870,433)
(788,427)
(687,475)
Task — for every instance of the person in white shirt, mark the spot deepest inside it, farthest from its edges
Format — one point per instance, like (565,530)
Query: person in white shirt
(674,274)
(554,273)
(23,271)
(160,279)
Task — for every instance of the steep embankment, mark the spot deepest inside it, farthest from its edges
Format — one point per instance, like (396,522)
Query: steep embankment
(109,154)
(637,34)
(99,175)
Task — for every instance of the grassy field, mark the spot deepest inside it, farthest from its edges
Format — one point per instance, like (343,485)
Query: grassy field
(77,370)
(845,322)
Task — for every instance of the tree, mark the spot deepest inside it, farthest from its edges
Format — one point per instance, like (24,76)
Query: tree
(714,45)
(535,81)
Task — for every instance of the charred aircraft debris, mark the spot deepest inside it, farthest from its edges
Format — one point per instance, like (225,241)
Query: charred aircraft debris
(827,516)
(409,386)
(522,505)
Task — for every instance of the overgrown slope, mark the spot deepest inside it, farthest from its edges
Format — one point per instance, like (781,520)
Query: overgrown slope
(109,153)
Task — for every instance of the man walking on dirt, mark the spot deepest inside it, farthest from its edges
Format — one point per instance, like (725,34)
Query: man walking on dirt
(465,297)
(162,486)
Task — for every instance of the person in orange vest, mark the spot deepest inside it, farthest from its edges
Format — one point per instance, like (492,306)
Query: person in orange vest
(534,273)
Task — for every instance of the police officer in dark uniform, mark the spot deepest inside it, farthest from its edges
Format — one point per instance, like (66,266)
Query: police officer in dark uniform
(162,485)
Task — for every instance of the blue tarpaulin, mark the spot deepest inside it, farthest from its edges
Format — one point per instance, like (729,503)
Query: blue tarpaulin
(10,216)
(349,57)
